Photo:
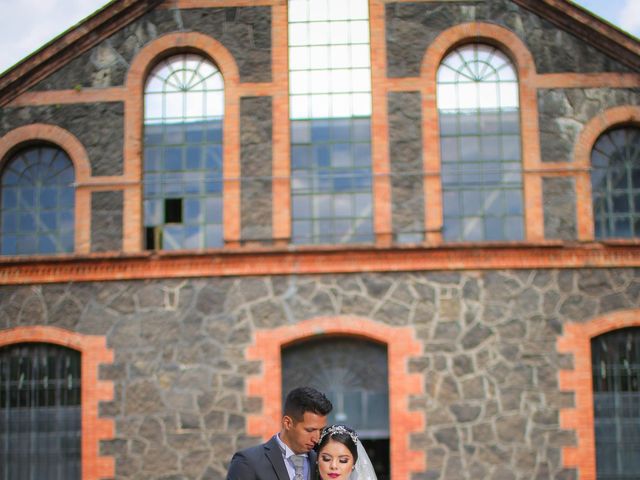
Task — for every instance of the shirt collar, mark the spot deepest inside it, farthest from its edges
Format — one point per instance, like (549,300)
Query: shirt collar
(284,448)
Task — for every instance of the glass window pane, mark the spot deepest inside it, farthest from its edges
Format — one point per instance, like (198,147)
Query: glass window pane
(480,144)
(614,161)
(185,166)
(37,186)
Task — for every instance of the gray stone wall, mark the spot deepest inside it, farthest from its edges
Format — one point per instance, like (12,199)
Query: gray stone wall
(256,168)
(563,112)
(245,32)
(489,365)
(107,209)
(559,208)
(412,27)
(405,155)
(98,126)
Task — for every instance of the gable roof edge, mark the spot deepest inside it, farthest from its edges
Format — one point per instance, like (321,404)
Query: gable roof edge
(70,45)
(589,28)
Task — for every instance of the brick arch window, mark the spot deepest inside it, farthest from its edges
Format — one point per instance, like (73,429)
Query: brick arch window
(353,373)
(615,183)
(480,145)
(402,384)
(40,412)
(37,202)
(616,402)
(183,116)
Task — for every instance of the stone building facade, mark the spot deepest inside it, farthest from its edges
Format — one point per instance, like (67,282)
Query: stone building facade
(487,343)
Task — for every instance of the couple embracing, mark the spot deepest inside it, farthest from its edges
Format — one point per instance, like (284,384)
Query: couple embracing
(305,448)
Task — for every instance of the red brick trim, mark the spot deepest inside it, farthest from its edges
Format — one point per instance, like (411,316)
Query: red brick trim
(317,260)
(20,136)
(94,352)
(133,122)
(624,115)
(380,161)
(401,345)
(588,80)
(576,341)
(281,161)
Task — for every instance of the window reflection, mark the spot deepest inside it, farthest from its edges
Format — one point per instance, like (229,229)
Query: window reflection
(330,106)
(615,183)
(38,202)
(480,145)
(184,106)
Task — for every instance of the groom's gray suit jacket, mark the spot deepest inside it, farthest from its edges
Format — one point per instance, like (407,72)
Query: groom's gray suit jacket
(264,462)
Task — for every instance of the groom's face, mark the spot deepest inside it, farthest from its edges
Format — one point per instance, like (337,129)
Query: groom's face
(301,436)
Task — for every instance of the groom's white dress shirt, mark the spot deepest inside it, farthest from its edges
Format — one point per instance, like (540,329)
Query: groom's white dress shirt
(287,453)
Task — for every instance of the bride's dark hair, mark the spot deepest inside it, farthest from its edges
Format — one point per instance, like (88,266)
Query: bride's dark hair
(341,434)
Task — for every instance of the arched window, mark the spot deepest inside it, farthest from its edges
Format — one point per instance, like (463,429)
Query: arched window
(330,113)
(480,148)
(616,384)
(353,374)
(615,183)
(183,112)
(40,430)
(37,203)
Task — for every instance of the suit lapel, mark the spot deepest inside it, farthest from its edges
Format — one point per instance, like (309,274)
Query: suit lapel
(274,454)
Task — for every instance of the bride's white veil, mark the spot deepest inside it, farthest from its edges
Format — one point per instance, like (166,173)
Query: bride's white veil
(363,469)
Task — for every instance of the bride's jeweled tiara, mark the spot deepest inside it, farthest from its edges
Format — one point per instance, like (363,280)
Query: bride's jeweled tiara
(333,429)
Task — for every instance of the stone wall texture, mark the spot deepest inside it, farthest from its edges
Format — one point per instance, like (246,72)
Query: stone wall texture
(244,31)
(559,206)
(489,363)
(563,113)
(412,27)
(106,221)
(256,168)
(98,126)
(405,155)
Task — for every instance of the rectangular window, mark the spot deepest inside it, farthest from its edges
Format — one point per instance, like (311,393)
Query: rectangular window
(330,110)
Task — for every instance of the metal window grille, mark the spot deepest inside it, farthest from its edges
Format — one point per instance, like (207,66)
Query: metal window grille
(40,426)
(616,383)
(615,183)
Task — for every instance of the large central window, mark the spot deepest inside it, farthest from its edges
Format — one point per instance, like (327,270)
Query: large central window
(330,110)
(183,111)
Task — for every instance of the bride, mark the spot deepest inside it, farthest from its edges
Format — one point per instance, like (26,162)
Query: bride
(341,455)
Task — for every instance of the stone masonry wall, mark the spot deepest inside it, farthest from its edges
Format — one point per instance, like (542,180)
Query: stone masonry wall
(563,113)
(256,168)
(106,221)
(405,154)
(245,32)
(98,126)
(489,364)
(412,27)
(559,207)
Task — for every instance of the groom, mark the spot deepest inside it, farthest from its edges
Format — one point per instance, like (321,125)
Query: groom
(289,454)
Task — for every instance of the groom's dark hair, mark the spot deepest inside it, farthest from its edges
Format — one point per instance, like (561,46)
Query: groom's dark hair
(306,399)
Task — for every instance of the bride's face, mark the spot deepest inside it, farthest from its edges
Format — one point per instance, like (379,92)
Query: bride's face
(335,461)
